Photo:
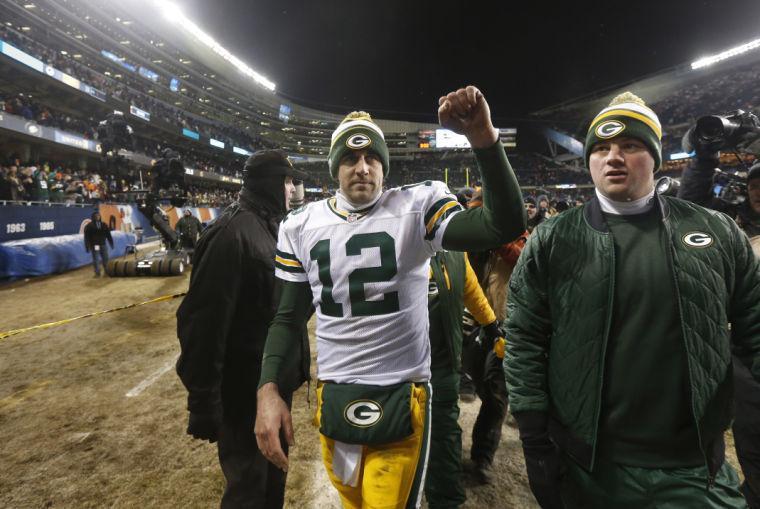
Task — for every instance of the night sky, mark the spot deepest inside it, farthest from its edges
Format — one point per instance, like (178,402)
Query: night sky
(394,58)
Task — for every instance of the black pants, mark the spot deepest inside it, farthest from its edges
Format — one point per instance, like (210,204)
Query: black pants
(252,481)
(747,431)
(487,373)
(187,241)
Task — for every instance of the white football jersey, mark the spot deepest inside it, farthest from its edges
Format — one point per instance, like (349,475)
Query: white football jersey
(368,273)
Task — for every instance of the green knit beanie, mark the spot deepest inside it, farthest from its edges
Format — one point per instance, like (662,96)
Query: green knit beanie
(357,132)
(627,115)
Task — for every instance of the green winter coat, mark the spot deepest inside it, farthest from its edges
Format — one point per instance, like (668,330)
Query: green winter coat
(560,309)
(450,300)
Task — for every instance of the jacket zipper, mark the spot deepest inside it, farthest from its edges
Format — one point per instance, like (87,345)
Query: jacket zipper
(610,303)
(671,260)
(444,277)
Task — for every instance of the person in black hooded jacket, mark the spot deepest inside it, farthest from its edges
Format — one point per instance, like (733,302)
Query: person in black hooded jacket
(222,326)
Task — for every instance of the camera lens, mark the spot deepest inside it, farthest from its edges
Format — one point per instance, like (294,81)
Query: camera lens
(710,128)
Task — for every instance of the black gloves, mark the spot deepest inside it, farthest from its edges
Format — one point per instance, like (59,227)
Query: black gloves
(204,426)
(494,338)
(542,459)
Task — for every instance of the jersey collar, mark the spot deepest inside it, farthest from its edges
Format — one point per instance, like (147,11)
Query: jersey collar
(341,207)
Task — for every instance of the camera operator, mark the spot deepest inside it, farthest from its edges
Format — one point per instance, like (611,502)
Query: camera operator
(740,199)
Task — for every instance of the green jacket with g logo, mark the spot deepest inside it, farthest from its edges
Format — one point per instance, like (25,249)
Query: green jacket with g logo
(560,309)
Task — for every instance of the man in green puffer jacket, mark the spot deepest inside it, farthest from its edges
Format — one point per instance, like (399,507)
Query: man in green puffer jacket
(619,360)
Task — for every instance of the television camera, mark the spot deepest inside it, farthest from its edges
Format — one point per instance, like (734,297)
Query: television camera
(737,131)
(168,183)
(114,134)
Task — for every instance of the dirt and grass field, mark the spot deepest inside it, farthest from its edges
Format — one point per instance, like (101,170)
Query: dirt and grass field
(93,415)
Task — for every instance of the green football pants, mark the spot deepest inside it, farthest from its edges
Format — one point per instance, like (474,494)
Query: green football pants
(443,485)
(625,487)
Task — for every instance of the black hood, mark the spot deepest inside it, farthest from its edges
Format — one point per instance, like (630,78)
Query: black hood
(267,193)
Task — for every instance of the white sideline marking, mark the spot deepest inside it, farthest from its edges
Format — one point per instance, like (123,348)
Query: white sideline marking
(151,379)
(80,437)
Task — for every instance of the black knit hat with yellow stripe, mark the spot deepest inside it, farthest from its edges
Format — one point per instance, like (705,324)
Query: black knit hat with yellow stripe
(627,115)
(357,132)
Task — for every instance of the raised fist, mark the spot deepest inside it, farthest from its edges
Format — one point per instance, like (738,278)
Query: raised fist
(465,111)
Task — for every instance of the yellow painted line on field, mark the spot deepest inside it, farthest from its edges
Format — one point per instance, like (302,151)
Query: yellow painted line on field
(9,333)
(17,397)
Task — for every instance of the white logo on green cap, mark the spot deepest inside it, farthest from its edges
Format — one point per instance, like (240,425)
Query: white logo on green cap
(609,129)
(358,141)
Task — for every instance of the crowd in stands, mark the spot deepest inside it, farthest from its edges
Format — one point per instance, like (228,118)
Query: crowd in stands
(92,72)
(43,182)
(65,184)
(24,106)
(210,196)
(717,93)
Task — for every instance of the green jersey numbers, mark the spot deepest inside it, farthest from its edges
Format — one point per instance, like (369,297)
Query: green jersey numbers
(387,270)
(320,253)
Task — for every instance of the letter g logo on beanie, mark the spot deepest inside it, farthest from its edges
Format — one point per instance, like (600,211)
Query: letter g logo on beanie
(358,141)
(609,129)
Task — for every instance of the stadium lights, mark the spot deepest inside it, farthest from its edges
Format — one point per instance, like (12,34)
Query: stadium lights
(704,62)
(174,15)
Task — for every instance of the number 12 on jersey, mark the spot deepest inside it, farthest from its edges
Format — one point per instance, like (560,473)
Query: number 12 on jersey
(360,306)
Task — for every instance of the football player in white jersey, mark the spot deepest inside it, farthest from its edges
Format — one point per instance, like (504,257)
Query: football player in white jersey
(362,259)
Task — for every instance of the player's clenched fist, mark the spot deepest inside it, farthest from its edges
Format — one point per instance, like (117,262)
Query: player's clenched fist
(465,111)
